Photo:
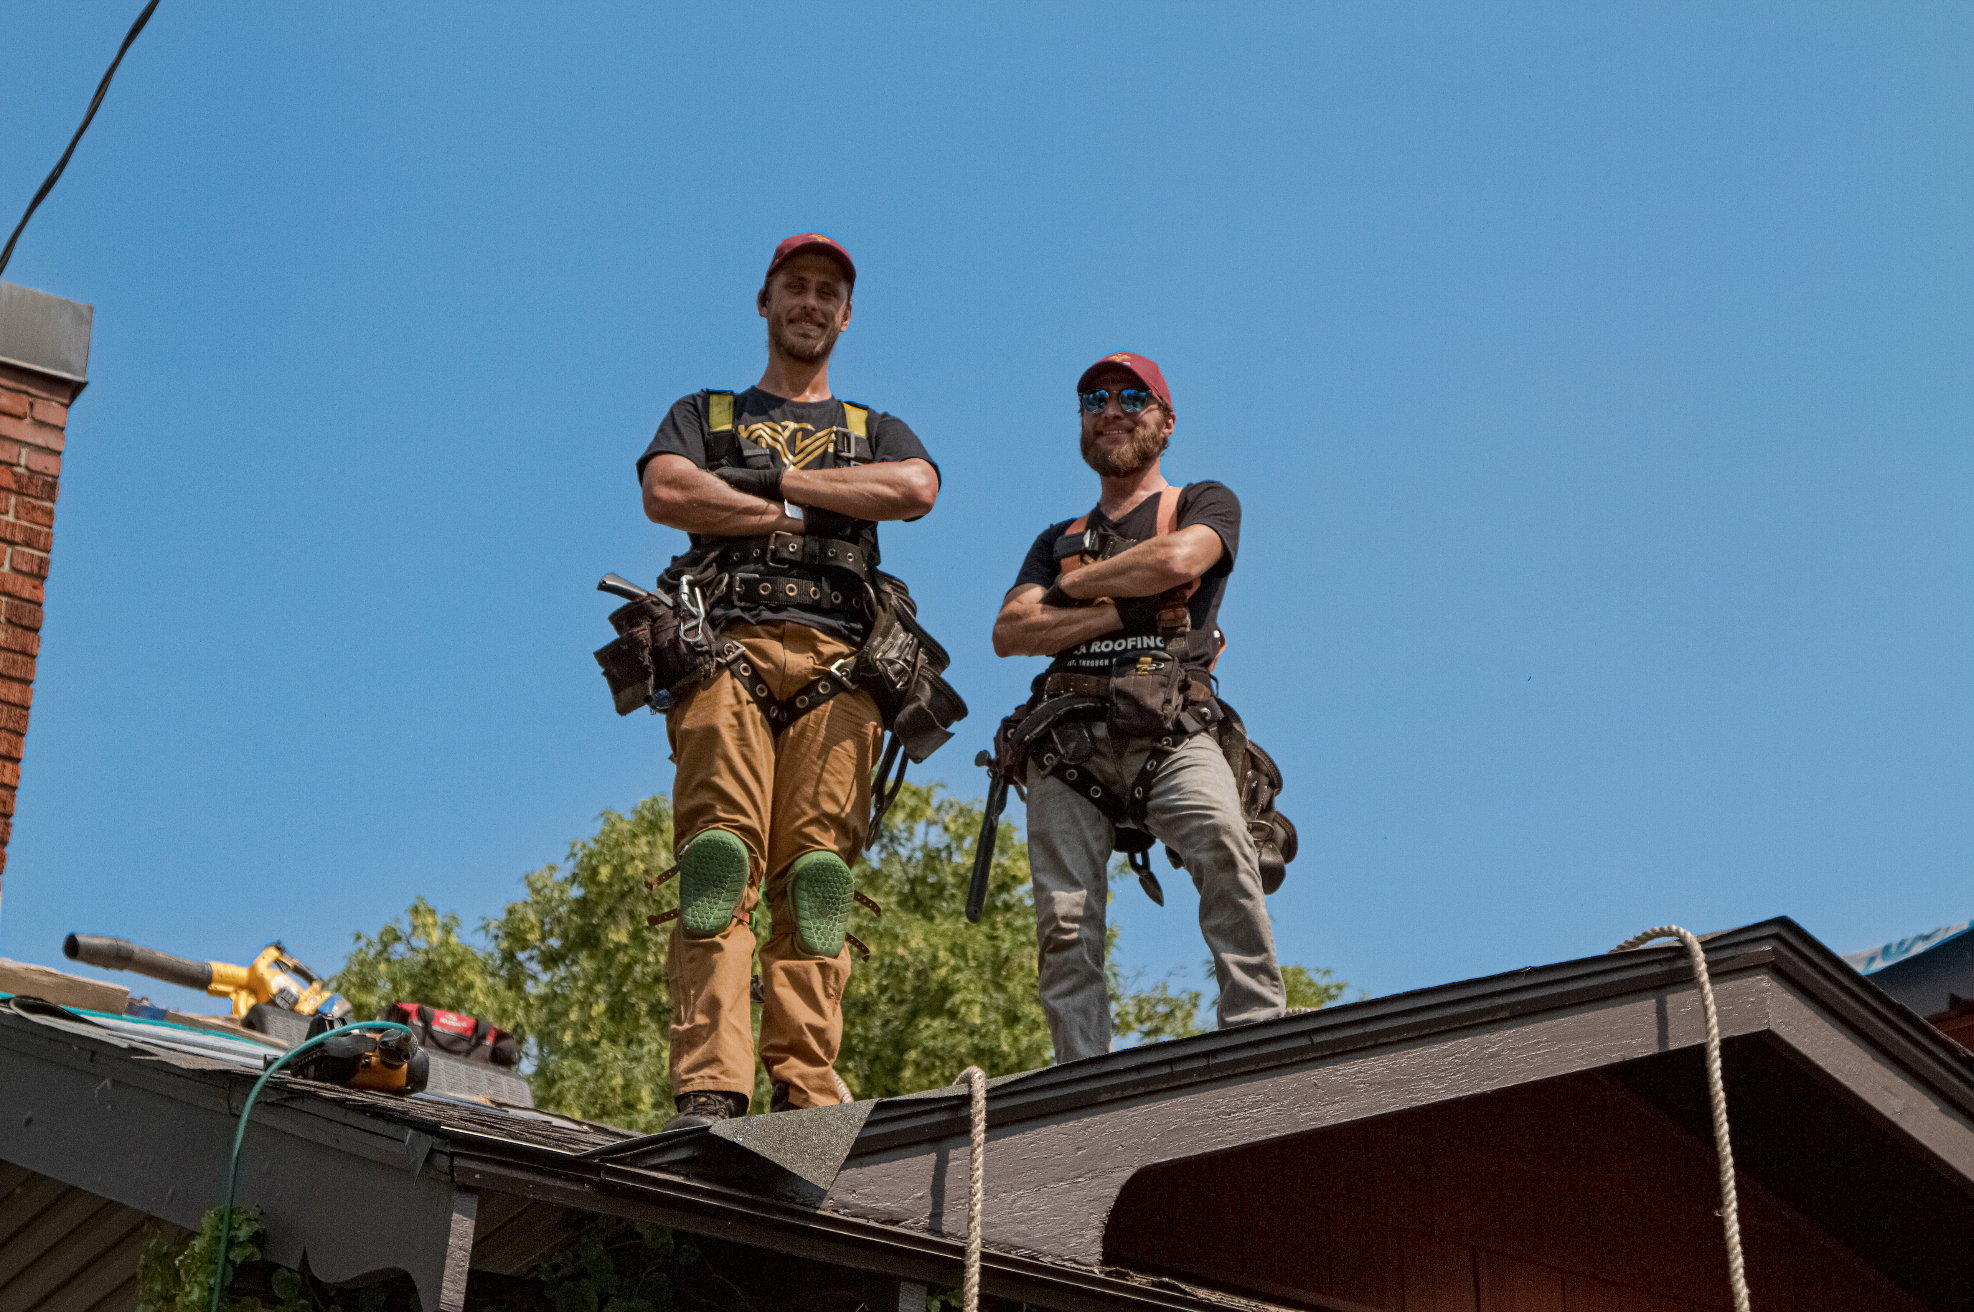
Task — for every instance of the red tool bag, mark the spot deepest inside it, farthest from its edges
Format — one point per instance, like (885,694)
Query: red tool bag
(455,1033)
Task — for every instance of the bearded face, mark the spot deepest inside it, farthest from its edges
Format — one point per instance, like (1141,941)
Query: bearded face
(807,306)
(1117,445)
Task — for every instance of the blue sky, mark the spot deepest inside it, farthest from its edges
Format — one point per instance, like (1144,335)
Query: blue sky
(1596,380)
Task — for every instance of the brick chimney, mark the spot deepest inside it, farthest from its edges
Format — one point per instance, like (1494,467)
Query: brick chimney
(44,363)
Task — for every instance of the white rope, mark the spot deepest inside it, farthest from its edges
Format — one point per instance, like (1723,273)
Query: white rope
(1730,1211)
(976,1195)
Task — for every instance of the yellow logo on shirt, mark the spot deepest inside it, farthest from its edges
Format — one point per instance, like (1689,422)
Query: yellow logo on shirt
(797,444)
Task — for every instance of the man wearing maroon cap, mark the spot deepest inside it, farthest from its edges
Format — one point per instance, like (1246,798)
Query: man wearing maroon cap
(1124,726)
(780,488)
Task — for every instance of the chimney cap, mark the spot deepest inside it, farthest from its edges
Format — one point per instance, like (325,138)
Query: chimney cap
(45,333)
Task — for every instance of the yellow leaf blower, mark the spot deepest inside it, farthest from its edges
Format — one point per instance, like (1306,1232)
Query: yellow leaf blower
(274,977)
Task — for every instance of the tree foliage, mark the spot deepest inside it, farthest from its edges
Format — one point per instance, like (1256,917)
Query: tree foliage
(573,969)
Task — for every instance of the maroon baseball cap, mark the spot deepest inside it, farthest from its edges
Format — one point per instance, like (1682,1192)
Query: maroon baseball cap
(1147,372)
(811,241)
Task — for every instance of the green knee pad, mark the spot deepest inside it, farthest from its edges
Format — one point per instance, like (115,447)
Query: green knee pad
(712,878)
(819,890)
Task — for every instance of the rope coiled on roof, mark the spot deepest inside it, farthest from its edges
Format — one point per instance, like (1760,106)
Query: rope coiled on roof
(1730,1210)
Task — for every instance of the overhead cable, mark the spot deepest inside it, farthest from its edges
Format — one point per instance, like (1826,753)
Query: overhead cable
(101,88)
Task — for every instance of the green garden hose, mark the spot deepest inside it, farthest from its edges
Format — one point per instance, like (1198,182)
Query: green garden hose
(220,1273)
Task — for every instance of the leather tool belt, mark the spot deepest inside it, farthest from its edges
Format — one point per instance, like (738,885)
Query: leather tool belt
(663,641)
(1052,732)
(799,570)
(797,549)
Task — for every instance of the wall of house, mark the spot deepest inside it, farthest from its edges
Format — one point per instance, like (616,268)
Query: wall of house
(1572,1195)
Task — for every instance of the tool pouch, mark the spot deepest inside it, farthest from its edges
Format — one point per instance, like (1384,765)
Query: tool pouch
(653,654)
(1146,696)
(626,662)
(899,665)
(1273,832)
(1258,780)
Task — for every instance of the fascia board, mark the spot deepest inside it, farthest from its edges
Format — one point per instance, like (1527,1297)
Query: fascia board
(1777,945)
(1418,1051)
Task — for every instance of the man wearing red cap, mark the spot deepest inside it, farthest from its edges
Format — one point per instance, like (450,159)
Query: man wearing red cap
(780,488)
(1122,736)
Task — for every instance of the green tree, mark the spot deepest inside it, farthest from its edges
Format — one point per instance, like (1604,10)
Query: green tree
(571,967)
(938,994)
(1313,989)
(574,969)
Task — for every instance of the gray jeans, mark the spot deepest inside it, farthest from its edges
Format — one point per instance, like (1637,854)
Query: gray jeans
(1196,811)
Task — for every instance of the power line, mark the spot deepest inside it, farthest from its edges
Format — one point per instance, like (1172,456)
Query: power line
(101,88)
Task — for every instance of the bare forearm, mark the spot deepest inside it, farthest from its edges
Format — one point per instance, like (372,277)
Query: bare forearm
(902,489)
(681,495)
(1025,627)
(1149,568)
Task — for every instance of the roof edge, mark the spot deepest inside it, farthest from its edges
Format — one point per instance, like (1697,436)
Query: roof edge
(1779,945)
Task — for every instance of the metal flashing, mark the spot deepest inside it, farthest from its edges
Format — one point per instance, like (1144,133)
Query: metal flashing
(45,333)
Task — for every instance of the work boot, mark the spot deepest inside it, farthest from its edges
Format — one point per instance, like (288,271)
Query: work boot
(706,1107)
(779,1102)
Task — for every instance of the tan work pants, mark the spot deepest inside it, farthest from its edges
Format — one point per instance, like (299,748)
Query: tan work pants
(806,791)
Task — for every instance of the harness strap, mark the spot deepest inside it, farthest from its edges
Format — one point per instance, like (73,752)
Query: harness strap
(786,590)
(853,445)
(1168,519)
(1173,617)
(1098,685)
(799,550)
(1044,717)
(1125,813)
(783,711)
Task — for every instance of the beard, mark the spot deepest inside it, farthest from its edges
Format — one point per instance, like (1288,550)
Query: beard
(798,348)
(1147,444)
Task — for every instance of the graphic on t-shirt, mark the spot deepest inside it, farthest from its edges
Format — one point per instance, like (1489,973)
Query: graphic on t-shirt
(796,443)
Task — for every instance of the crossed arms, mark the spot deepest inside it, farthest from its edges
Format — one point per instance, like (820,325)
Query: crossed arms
(1026,627)
(679,494)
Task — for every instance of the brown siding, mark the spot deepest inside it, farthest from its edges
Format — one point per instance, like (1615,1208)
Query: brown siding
(1567,1196)
(34,418)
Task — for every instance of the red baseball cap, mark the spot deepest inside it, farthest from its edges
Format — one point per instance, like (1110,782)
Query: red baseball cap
(811,241)
(1146,370)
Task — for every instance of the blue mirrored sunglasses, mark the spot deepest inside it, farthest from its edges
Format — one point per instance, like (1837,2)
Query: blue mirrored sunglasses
(1132,399)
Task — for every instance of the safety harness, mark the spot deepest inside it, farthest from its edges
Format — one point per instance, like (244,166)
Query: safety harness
(1053,731)
(1075,550)
(667,639)
(792,569)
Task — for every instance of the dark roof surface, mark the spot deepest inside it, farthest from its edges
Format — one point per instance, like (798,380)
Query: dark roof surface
(766,1180)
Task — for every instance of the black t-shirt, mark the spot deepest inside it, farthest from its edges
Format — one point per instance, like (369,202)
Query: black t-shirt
(1209,503)
(799,435)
